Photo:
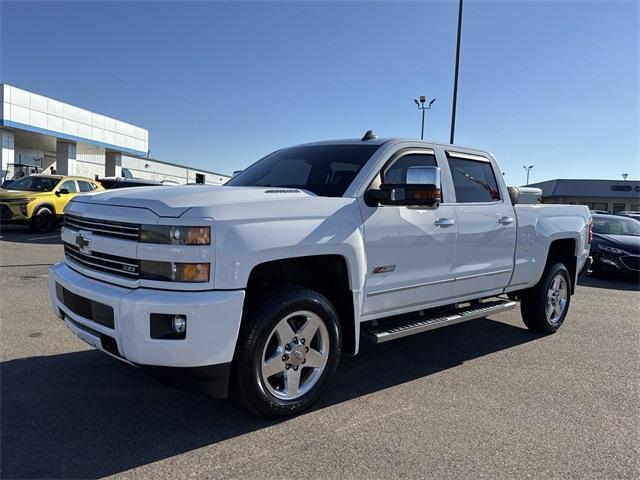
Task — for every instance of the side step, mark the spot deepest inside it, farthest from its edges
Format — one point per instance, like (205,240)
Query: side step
(405,327)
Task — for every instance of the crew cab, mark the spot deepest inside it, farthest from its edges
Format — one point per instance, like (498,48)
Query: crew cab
(255,288)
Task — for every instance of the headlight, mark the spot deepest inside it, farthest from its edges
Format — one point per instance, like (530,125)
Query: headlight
(174,272)
(175,235)
(612,250)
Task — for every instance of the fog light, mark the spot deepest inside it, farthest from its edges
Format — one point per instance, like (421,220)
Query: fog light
(179,324)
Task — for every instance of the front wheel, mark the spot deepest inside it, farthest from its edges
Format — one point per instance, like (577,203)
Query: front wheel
(43,220)
(287,351)
(545,306)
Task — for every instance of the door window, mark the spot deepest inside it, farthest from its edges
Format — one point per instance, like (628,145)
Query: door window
(69,185)
(397,171)
(474,181)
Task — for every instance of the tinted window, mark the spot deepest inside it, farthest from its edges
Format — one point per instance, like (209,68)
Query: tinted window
(34,184)
(326,170)
(397,171)
(69,185)
(84,186)
(615,225)
(473,180)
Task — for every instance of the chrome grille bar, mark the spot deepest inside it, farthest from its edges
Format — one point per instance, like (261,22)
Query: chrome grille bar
(128,231)
(122,266)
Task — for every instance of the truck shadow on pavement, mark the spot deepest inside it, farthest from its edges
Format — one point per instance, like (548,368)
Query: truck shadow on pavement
(86,415)
(20,234)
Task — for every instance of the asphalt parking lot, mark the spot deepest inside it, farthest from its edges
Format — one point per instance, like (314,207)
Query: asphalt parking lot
(485,399)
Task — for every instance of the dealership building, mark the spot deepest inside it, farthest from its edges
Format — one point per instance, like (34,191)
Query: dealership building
(611,195)
(38,132)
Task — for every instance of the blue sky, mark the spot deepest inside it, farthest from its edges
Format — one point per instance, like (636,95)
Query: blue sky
(220,84)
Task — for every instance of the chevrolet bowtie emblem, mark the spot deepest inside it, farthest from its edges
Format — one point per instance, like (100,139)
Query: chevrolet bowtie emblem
(83,243)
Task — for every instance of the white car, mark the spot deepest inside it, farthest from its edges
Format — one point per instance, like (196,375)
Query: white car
(258,286)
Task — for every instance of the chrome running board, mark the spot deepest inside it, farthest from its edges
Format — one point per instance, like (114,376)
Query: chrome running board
(404,328)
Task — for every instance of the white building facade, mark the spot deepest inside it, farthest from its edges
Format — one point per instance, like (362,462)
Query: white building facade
(38,133)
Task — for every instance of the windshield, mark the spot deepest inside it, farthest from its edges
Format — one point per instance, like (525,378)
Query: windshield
(611,225)
(326,170)
(34,184)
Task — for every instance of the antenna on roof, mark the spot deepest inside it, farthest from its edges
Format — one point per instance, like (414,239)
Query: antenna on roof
(369,136)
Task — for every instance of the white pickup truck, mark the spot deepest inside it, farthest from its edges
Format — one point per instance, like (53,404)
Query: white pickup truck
(255,288)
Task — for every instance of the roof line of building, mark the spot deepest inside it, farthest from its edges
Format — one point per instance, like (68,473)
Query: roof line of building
(73,105)
(142,157)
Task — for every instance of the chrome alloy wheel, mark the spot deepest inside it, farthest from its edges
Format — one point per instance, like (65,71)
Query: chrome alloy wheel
(295,355)
(557,295)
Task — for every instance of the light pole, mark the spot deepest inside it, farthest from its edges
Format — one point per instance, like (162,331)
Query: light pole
(421,106)
(624,176)
(455,76)
(528,169)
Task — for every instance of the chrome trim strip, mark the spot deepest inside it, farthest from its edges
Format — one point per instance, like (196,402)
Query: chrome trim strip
(437,282)
(476,275)
(409,287)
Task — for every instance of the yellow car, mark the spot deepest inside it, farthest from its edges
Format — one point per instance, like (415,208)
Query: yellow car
(39,200)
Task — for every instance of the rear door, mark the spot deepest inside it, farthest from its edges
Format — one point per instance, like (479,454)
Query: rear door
(486,226)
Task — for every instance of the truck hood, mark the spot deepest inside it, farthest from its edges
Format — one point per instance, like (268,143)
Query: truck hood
(629,243)
(174,201)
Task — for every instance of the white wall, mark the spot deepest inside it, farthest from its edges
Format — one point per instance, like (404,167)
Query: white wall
(54,117)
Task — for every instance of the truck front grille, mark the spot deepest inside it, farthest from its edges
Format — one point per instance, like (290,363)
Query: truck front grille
(113,264)
(5,212)
(107,228)
(89,309)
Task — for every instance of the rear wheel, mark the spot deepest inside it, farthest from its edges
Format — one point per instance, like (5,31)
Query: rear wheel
(43,220)
(545,306)
(287,352)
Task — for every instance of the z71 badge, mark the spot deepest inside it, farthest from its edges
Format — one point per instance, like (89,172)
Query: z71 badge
(383,269)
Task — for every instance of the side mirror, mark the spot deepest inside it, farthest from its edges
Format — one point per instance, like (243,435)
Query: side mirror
(422,189)
(236,173)
(62,191)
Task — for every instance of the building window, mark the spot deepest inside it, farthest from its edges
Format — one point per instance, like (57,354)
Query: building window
(618,207)
(199,178)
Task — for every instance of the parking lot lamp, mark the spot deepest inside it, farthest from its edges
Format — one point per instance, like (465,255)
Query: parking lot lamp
(421,106)
(528,169)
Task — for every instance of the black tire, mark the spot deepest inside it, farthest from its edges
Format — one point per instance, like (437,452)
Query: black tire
(533,304)
(259,320)
(43,220)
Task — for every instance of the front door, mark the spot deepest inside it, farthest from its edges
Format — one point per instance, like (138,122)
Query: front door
(62,199)
(410,250)
(486,227)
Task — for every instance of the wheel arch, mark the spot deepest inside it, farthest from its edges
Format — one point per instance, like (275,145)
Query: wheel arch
(564,250)
(327,273)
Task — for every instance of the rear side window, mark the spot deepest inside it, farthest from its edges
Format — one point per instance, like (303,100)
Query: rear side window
(85,186)
(474,181)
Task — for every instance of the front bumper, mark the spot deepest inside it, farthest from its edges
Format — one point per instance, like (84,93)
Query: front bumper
(213,322)
(625,265)
(11,214)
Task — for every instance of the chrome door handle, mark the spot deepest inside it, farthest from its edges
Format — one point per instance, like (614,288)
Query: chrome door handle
(505,220)
(445,222)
